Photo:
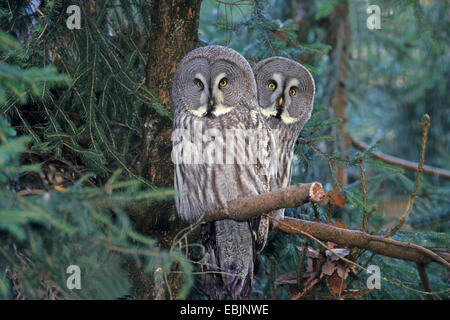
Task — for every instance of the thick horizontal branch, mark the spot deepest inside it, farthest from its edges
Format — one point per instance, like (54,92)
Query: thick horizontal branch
(406,164)
(353,238)
(245,208)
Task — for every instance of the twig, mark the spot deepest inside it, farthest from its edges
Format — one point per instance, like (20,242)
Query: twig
(424,279)
(300,265)
(426,122)
(307,289)
(320,261)
(363,225)
(351,294)
(406,164)
(37,9)
(364,266)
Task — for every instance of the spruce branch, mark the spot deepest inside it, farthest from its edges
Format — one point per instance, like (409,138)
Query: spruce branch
(399,162)
(425,124)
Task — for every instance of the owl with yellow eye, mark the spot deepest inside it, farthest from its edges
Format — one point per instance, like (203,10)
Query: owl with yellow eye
(285,96)
(214,92)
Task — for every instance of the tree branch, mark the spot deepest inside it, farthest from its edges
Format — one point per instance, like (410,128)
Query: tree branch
(245,208)
(424,279)
(242,209)
(353,238)
(406,164)
(425,124)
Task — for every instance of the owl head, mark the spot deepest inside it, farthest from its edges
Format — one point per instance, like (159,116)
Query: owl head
(211,81)
(285,90)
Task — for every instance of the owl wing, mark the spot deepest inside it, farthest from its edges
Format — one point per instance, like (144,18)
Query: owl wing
(189,169)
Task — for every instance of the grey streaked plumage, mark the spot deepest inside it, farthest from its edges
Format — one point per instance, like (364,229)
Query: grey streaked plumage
(231,247)
(275,78)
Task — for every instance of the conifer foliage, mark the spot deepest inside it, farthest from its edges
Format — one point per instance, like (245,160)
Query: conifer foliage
(68,127)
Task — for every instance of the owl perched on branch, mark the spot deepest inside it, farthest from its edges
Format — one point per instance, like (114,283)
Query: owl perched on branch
(222,150)
(285,95)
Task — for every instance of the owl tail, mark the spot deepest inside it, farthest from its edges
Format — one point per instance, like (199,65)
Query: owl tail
(234,251)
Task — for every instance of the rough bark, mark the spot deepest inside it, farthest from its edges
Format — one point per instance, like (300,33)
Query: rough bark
(174,32)
(242,209)
(246,208)
(354,238)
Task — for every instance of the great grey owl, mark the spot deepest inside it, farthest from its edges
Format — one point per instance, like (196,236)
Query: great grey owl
(285,96)
(221,151)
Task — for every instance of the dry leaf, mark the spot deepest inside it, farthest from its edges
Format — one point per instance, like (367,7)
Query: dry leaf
(336,284)
(333,197)
(356,293)
(328,268)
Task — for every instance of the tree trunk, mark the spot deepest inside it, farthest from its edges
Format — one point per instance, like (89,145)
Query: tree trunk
(174,32)
(339,38)
(174,29)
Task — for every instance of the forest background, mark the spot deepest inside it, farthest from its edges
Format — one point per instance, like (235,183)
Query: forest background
(85,124)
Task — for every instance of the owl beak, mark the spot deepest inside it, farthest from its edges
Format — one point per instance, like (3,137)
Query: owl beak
(280,101)
(279,107)
(210,107)
(211,102)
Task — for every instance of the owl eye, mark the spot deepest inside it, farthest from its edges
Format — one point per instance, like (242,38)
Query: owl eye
(293,91)
(272,85)
(198,83)
(223,82)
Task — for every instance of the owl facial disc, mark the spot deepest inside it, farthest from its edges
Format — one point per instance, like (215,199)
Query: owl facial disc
(285,90)
(208,85)
(282,92)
